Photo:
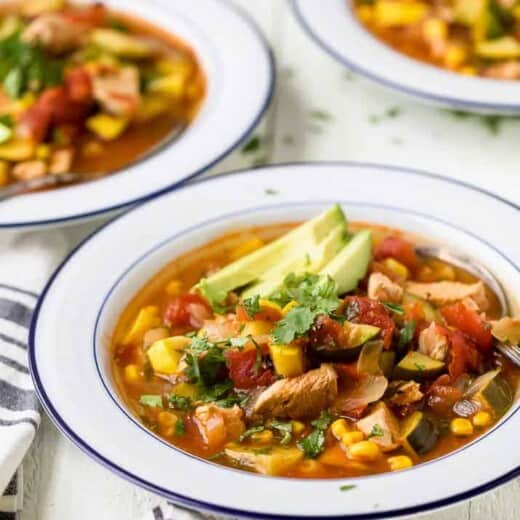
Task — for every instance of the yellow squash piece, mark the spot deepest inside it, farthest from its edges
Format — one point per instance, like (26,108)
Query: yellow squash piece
(257,328)
(165,354)
(120,44)
(107,127)
(147,319)
(186,390)
(389,13)
(17,150)
(287,360)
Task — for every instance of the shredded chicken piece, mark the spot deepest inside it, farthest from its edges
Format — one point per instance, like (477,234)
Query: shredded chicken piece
(443,293)
(219,425)
(299,397)
(506,330)
(406,392)
(222,327)
(381,426)
(61,161)
(27,170)
(506,70)
(55,33)
(433,343)
(381,288)
(117,90)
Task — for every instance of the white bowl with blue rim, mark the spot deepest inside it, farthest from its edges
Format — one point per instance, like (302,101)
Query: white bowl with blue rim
(240,75)
(333,25)
(69,339)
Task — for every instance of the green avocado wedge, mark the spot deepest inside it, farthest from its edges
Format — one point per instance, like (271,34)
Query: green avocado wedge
(350,265)
(251,267)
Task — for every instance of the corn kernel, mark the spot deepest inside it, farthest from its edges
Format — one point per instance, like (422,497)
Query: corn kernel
(399,462)
(365,13)
(264,437)
(468,70)
(298,427)
(4,173)
(461,427)
(364,451)
(481,419)
(455,56)
(339,428)
(43,151)
(289,307)
(132,374)
(397,268)
(435,29)
(350,438)
(246,247)
(173,288)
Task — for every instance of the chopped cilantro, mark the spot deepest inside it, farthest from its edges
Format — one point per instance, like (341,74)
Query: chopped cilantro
(180,402)
(217,455)
(252,305)
(204,361)
(151,400)
(180,427)
(347,487)
(420,366)
(394,307)
(296,323)
(251,431)
(312,445)
(270,191)
(376,431)
(406,335)
(285,428)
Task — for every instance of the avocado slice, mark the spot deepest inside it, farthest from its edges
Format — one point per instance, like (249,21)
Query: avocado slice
(305,261)
(251,267)
(350,265)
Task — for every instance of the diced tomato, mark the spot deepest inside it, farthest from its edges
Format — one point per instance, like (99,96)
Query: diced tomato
(35,123)
(79,85)
(399,249)
(187,310)
(244,372)
(361,309)
(442,395)
(464,355)
(327,332)
(470,323)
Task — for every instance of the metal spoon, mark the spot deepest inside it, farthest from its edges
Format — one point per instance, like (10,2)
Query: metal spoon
(61,179)
(467,263)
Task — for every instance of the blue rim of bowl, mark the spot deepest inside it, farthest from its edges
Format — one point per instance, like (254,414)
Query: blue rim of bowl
(241,139)
(454,102)
(63,427)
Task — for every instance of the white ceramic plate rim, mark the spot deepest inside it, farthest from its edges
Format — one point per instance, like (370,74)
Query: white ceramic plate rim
(332,24)
(300,488)
(234,104)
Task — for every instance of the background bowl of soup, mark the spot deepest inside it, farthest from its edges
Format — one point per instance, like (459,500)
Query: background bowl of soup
(71,356)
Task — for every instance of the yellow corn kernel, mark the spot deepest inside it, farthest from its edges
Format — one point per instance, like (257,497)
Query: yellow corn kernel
(297,427)
(287,360)
(455,56)
(399,462)
(107,127)
(350,438)
(132,374)
(365,13)
(257,328)
(264,437)
(364,451)
(388,13)
(246,247)
(165,354)
(148,318)
(268,304)
(461,427)
(396,267)
(4,173)
(482,419)
(289,307)
(173,85)
(43,151)
(173,288)
(468,70)
(339,428)
(435,29)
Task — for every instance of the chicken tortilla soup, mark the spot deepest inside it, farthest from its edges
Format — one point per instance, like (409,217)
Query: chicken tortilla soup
(86,89)
(318,350)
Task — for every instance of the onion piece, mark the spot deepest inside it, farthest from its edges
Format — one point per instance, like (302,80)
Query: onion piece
(369,389)
(368,362)
(480,383)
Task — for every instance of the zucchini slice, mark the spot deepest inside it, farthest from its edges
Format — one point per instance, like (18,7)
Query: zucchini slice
(418,434)
(417,366)
(430,312)
(387,362)
(492,391)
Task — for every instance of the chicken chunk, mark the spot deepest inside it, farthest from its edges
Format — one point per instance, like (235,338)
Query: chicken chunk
(61,161)
(506,70)
(506,330)
(222,327)
(433,343)
(443,293)
(26,170)
(381,288)
(406,392)
(381,426)
(219,425)
(117,90)
(55,33)
(299,397)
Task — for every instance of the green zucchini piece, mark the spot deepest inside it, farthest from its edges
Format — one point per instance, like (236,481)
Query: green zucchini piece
(430,312)
(493,392)
(417,366)
(387,362)
(418,434)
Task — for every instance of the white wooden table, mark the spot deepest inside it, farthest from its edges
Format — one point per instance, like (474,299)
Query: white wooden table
(320,112)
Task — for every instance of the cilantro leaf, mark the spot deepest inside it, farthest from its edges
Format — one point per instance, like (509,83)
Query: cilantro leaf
(180,427)
(204,361)
(313,444)
(323,421)
(180,402)
(347,487)
(296,323)
(394,307)
(285,428)
(151,400)
(252,305)
(376,431)
(250,431)
(406,335)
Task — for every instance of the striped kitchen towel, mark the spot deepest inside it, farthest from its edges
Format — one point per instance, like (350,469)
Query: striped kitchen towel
(26,262)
